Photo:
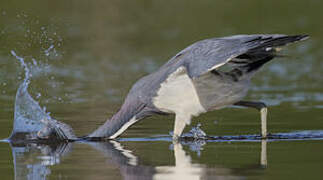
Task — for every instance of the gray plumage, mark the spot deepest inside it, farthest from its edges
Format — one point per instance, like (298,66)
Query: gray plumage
(192,81)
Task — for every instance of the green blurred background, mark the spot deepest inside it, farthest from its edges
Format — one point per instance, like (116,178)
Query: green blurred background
(89,53)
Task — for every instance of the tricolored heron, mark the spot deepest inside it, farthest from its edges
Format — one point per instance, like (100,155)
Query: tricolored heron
(193,82)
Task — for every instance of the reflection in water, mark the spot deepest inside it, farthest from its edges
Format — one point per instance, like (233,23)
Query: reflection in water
(183,167)
(263,156)
(124,160)
(125,43)
(33,161)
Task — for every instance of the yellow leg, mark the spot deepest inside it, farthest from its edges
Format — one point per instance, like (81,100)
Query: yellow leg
(263,113)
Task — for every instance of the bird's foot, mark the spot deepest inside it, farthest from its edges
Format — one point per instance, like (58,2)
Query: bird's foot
(176,138)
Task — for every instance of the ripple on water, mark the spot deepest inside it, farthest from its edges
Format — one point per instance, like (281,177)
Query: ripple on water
(289,136)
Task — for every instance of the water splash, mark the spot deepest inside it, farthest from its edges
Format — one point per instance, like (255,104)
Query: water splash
(28,114)
(197,132)
(24,65)
(199,139)
(196,138)
(48,50)
(30,120)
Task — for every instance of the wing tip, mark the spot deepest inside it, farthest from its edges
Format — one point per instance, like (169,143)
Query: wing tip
(303,37)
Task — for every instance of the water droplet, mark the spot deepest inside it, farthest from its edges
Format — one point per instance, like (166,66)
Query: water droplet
(42,28)
(59,98)
(34,61)
(4,83)
(48,50)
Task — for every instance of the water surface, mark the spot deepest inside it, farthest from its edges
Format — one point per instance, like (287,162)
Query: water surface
(84,57)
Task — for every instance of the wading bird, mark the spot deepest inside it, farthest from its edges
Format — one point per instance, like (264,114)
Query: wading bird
(194,82)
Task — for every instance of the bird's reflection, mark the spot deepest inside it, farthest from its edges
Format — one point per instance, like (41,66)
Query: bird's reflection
(183,167)
(130,168)
(263,155)
(33,161)
(124,160)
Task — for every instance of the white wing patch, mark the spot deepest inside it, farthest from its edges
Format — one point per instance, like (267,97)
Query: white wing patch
(177,94)
(221,64)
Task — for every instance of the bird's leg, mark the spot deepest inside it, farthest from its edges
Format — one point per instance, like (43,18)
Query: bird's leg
(180,122)
(263,111)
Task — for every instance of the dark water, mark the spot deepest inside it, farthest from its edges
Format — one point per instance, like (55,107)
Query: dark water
(85,55)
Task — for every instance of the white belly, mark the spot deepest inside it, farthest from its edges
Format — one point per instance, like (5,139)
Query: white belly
(177,94)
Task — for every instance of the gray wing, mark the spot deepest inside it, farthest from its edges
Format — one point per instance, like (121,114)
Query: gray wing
(206,55)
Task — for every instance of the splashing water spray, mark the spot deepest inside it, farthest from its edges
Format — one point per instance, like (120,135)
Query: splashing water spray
(31,122)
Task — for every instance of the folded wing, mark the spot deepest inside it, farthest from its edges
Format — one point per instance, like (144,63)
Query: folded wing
(207,55)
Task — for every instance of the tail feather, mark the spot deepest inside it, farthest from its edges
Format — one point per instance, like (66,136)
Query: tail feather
(264,49)
(274,41)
